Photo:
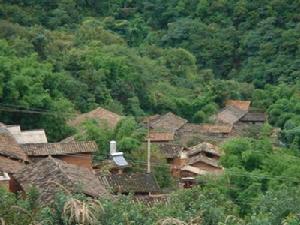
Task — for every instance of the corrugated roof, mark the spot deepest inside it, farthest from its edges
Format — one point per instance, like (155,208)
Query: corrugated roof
(242,105)
(9,147)
(130,183)
(99,114)
(59,148)
(160,136)
(48,174)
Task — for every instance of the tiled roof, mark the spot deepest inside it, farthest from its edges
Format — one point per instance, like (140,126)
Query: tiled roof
(216,128)
(242,105)
(59,148)
(168,122)
(231,114)
(201,158)
(254,117)
(10,166)
(9,147)
(204,147)
(161,136)
(99,114)
(130,183)
(49,174)
(170,150)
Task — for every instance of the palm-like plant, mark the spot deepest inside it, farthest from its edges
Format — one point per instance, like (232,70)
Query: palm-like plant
(81,212)
(174,221)
(171,221)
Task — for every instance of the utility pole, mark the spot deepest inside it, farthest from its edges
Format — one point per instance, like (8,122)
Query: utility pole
(148,149)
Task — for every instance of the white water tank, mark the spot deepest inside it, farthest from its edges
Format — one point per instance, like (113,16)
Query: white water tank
(113,147)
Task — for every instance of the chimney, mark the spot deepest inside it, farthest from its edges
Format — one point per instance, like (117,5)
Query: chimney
(113,147)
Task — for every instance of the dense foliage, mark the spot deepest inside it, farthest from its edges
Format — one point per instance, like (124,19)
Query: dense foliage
(138,57)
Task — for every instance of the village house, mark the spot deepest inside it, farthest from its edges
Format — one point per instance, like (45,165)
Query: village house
(236,119)
(198,160)
(12,159)
(246,121)
(163,127)
(240,111)
(139,184)
(77,153)
(51,175)
(167,122)
(103,116)
(99,114)
(230,115)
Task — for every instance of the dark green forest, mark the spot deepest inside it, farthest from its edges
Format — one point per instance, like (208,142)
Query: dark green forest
(141,57)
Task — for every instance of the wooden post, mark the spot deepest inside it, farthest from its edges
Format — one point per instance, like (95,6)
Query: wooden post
(148,149)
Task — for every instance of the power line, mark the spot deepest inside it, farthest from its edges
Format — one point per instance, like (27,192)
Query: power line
(29,111)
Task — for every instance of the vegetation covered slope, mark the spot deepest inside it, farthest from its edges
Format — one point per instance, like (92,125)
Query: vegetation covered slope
(138,57)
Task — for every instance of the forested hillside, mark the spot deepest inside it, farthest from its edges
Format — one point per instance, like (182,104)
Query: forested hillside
(142,57)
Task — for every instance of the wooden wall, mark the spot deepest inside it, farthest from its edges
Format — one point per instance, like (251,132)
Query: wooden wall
(206,167)
(84,159)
